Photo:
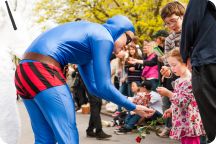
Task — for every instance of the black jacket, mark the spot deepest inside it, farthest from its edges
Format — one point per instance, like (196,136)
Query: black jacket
(198,40)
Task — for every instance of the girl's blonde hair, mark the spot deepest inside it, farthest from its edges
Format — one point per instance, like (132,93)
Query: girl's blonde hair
(175,53)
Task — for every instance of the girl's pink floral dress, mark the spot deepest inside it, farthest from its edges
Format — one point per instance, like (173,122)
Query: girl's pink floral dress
(186,120)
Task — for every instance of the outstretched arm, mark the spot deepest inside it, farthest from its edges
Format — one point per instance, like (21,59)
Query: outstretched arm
(102,50)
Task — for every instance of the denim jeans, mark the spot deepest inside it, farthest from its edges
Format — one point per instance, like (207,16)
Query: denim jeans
(131,120)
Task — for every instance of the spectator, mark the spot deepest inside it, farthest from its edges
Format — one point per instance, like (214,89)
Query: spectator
(95,127)
(155,101)
(172,15)
(159,38)
(133,70)
(198,48)
(149,64)
(187,124)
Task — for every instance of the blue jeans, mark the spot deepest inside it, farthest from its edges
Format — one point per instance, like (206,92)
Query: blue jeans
(52,116)
(131,120)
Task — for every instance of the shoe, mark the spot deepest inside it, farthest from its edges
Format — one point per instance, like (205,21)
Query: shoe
(116,114)
(102,135)
(122,131)
(164,133)
(90,134)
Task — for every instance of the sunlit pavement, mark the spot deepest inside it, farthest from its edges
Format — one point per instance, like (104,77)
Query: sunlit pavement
(82,122)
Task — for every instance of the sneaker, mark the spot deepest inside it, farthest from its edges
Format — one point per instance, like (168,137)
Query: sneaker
(102,135)
(117,129)
(120,133)
(122,130)
(79,111)
(116,114)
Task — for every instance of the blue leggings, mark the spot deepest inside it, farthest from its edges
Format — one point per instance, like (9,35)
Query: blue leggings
(52,116)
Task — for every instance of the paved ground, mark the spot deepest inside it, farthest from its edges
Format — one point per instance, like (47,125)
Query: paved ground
(82,122)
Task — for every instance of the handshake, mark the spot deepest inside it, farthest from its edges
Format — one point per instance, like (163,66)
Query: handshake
(144,111)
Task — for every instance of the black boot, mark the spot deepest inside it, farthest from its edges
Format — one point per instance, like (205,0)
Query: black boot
(101,135)
(90,134)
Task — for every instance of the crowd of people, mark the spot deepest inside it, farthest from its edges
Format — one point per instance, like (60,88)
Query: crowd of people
(153,74)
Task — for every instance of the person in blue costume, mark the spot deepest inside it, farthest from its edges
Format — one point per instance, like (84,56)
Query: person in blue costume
(39,80)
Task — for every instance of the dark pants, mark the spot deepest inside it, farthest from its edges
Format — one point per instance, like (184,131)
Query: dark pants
(204,89)
(95,118)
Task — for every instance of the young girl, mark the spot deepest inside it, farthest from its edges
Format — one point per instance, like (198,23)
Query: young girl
(133,70)
(186,122)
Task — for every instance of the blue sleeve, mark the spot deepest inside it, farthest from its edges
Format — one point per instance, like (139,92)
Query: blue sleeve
(97,75)
(87,74)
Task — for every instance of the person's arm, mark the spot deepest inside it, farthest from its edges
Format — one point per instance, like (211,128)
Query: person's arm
(193,18)
(87,74)
(101,52)
(139,63)
(151,62)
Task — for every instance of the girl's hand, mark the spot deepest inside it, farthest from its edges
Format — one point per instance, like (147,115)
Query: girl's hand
(165,71)
(167,113)
(164,92)
(132,69)
(132,61)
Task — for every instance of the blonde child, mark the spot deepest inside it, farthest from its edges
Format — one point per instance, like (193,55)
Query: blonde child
(186,121)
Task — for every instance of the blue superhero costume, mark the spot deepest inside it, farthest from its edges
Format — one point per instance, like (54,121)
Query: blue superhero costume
(89,45)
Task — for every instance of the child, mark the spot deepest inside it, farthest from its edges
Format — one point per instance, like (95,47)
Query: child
(132,118)
(133,70)
(186,121)
(155,101)
(120,118)
(172,15)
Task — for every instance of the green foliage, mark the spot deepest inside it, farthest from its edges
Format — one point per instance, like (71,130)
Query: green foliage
(145,14)
(151,126)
